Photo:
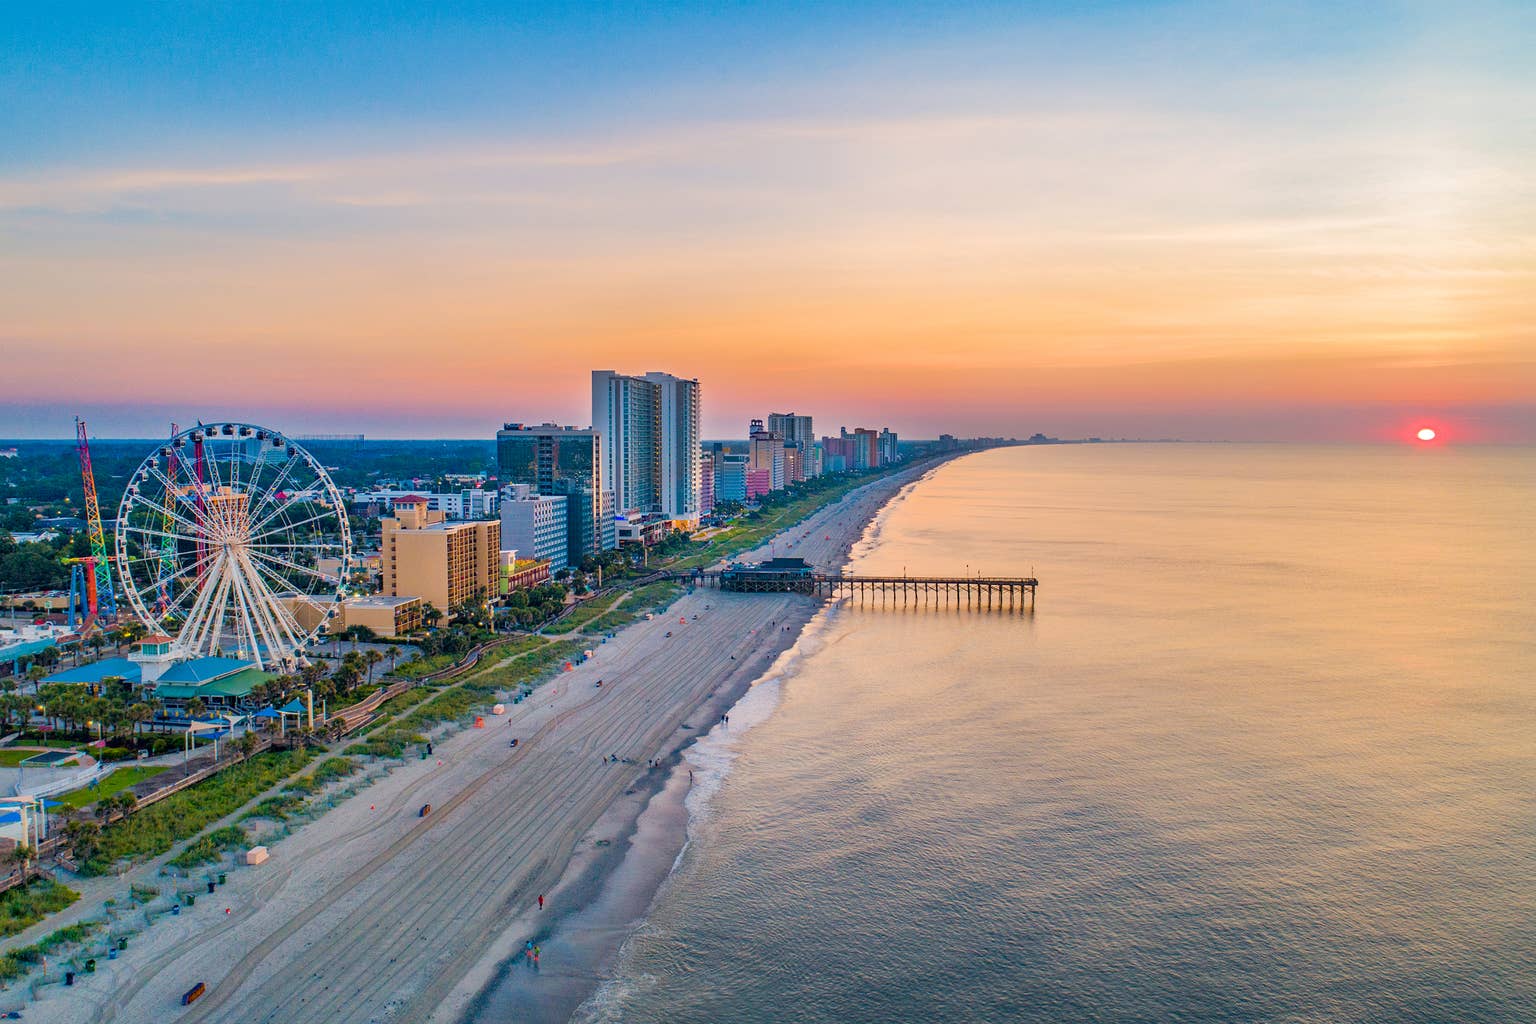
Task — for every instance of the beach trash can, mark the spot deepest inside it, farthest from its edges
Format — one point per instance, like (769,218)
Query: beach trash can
(191,899)
(211,885)
(222,876)
(112,953)
(90,966)
(122,943)
(69,978)
(175,909)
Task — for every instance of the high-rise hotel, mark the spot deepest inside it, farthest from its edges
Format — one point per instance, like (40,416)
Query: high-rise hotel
(649,430)
(562,461)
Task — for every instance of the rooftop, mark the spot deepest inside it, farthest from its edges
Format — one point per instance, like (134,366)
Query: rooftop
(239,684)
(96,671)
(379,601)
(203,670)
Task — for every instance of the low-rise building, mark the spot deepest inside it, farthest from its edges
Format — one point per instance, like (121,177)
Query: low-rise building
(222,684)
(522,573)
(385,615)
(646,530)
(445,564)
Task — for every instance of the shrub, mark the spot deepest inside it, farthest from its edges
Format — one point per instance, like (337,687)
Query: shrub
(24,906)
(158,827)
(210,847)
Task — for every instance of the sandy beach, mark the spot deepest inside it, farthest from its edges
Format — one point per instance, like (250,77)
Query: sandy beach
(375,913)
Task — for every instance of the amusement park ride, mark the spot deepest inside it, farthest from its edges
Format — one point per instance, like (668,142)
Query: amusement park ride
(235,540)
(230,537)
(91,600)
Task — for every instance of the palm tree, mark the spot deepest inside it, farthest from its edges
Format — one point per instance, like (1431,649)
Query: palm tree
(22,856)
(139,713)
(196,706)
(372,658)
(311,674)
(82,836)
(432,615)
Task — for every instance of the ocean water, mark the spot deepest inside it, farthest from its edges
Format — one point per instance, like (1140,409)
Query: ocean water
(1265,751)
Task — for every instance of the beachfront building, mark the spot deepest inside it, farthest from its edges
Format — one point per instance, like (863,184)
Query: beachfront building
(649,427)
(645,530)
(222,684)
(706,485)
(535,524)
(765,452)
(556,461)
(730,469)
(445,564)
(758,483)
(836,454)
(794,462)
(797,432)
(866,448)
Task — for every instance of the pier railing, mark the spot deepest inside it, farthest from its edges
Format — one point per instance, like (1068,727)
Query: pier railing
(976,592)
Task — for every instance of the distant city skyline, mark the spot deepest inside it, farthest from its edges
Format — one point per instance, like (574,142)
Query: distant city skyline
(1304,221)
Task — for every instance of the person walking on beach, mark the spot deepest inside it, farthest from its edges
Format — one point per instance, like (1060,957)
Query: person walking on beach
(541,901)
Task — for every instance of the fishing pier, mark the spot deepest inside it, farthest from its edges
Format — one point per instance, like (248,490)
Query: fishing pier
(795,576)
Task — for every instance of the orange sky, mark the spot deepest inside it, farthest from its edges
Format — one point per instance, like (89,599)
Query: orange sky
(1003,259)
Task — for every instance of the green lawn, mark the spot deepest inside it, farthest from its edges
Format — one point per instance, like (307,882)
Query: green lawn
(114,783)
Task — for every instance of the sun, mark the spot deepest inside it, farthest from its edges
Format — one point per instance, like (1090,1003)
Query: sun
(1426,434)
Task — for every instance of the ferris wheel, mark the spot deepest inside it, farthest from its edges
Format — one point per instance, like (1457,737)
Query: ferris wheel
(236,540)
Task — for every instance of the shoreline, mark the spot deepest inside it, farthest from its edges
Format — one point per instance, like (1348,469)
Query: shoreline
(613,893)
(604,893)
(373,912)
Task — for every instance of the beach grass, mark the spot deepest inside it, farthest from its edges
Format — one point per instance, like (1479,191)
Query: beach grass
(16,962)
(585,613)
(160,826)
(25,905)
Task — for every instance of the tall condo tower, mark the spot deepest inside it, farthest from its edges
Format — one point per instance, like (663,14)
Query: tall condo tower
(649,430)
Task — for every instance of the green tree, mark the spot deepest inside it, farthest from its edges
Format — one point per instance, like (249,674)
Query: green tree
(22,856)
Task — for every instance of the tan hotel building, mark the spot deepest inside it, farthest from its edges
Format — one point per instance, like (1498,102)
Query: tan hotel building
(445,564)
